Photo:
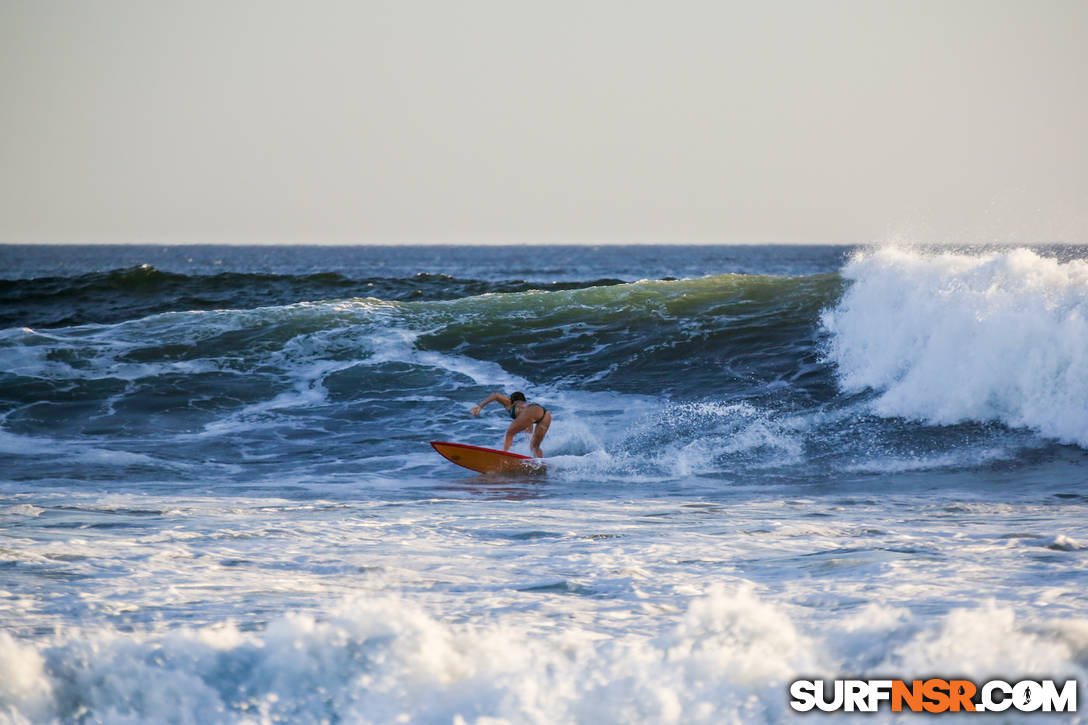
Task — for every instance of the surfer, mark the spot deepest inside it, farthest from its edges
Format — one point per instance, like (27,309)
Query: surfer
(525,415)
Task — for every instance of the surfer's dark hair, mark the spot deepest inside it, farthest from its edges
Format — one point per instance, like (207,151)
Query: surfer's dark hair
(517,396)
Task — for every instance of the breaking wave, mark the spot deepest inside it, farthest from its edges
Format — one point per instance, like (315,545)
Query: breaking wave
(952,337)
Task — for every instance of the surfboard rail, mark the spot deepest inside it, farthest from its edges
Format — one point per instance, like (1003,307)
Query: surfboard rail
(486,460)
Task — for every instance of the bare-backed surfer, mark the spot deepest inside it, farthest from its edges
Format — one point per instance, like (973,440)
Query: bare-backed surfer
(525,415)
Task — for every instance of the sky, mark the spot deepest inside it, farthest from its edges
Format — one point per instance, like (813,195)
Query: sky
(498,121)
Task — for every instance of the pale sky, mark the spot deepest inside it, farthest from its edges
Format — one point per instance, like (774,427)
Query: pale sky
(577,122)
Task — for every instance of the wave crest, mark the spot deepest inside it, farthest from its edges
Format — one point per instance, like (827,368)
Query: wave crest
(135,292)
(953,337)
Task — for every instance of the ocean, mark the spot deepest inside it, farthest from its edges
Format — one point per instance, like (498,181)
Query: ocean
(218,503)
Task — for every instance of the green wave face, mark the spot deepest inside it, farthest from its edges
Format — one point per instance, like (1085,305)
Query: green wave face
(183,372)
(650,336)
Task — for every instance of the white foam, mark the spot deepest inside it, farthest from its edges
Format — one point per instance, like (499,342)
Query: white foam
(26,692)
(22,509)
(983,643)
(1061,542)
(951,337)
(384,659)
(728,658)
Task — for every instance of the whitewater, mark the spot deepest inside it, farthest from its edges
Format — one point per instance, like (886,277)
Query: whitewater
(218,503)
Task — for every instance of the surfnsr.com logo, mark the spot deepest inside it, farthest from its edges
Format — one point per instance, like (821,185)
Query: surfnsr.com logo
(934,695)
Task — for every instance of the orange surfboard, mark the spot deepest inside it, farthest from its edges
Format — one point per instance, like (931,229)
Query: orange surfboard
(487,460)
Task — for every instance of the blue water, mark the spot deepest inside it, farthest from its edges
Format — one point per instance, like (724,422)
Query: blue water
(219,503)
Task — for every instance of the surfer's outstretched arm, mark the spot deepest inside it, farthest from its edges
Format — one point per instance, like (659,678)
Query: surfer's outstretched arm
(503,400)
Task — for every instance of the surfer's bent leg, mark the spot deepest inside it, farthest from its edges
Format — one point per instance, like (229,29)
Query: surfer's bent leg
(539,432)
(522,422)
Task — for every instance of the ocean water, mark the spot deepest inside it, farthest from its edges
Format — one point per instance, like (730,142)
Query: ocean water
(218,503)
